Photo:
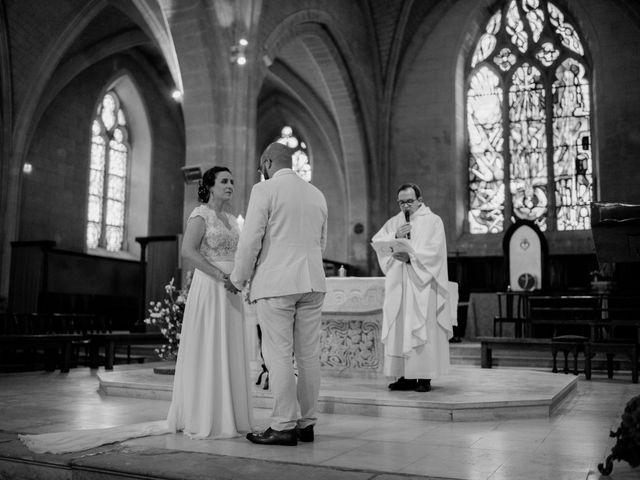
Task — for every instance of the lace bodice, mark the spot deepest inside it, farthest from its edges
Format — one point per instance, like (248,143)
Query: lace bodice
(218,242)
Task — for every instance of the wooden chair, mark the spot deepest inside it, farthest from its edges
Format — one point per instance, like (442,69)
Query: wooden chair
(513,307)
(567,319)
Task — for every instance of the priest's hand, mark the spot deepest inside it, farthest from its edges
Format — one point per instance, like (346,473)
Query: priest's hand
(401,256)
(403,230)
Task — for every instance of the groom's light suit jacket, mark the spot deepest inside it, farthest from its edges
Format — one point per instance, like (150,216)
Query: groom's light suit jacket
(283,238)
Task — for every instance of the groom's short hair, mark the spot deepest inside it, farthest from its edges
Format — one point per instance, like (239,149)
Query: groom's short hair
(278,153)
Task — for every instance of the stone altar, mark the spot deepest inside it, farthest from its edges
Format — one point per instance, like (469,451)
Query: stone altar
(351,324)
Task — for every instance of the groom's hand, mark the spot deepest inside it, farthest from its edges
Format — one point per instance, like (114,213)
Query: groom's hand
(230,287)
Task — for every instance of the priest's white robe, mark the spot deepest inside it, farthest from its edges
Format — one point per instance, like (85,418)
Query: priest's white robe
(420,304)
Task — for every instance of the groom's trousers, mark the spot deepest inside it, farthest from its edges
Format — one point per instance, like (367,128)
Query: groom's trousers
(291,325)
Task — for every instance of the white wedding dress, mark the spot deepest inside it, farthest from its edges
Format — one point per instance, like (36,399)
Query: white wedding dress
(211,392)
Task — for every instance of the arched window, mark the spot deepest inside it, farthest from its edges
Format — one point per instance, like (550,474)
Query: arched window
(300,158)
(108,176)
(528,121)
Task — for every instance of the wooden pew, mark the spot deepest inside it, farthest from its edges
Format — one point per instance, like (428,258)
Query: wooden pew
(110,340)
(570,318)
(68,333)
(57,347)
(33,333)
(598,323)
(97,334)
(564,314)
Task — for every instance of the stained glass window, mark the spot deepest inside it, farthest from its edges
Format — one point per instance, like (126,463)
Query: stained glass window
(529,91)
(108,176)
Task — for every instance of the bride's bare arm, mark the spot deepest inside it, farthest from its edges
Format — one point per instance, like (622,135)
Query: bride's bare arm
(190,248)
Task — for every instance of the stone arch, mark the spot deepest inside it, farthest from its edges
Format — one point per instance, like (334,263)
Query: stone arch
(281,108)
(325,54)
(158,27)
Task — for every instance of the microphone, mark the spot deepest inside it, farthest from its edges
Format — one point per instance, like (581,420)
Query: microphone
(407,214)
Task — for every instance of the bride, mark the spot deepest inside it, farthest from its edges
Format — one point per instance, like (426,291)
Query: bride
(211,393)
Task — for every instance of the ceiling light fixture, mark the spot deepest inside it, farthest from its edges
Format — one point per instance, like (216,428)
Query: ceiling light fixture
(238,55)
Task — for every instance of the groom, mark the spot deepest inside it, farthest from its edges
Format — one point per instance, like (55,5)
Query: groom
(280,252)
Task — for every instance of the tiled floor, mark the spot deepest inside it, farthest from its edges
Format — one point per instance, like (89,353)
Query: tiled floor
(567,445)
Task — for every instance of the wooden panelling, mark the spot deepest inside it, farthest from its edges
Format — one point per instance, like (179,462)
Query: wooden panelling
(46,279)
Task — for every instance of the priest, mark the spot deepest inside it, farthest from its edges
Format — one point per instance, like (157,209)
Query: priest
(420,303)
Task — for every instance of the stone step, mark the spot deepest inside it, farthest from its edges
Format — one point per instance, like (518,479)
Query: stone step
(464,394)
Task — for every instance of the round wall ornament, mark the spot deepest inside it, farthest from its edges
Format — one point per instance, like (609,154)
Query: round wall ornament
(527,281)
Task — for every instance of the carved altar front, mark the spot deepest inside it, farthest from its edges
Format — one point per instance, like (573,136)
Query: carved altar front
(351,324)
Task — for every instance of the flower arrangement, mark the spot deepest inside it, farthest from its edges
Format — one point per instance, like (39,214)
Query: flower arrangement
(167,316)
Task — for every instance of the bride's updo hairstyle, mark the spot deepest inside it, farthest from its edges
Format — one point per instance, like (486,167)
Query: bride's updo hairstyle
(208,181)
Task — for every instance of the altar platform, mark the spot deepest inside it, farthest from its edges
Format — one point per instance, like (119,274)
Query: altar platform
(352,381)
(467,394)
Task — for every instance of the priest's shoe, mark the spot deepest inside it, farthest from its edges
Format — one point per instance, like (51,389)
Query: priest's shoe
(305,434)
(274,437)
(424,385)
(403,384)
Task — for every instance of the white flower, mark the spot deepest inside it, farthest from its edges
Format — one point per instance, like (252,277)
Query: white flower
(167,315)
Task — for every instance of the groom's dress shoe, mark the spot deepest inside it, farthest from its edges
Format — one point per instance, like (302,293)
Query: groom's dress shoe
(274,437)
(305,434)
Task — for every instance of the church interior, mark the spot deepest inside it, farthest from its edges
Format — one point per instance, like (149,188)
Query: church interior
(514,117)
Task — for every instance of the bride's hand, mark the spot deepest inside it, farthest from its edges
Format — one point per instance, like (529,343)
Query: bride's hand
(230,287)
